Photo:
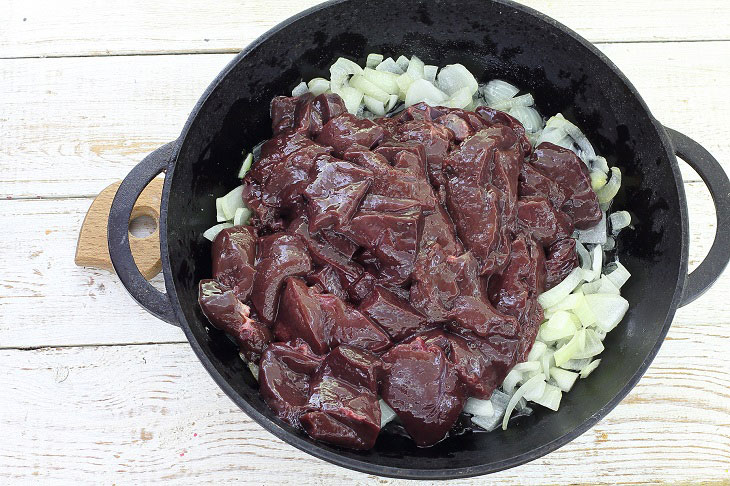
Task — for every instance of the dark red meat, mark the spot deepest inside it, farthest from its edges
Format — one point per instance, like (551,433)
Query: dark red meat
(401,256)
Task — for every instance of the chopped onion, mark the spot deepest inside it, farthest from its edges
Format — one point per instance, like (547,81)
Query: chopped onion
(461,99)
(584,312)
(511,380)
(351,96)
(476,406)
(429,73)
(373,60)
(555,135)
(534,393)
(575,364)
(527,366)
(532,383)
(403,63)
(404,82)
(232,201)
(220,216)
(538,348)
(376,107)
(454,77)
(586,149)
(392,101)
(550,397)
(415,68)
(421,90)
(242,216)
(340,71)
(597,261)
(560,325)
(588,369)
(592,346)
(317,86)
(609,309)
(253,367)
(571,348)
(583,255)
(528,117)
(246,166)
(598,179)
(548,360)
(360,83)
(595,235)
(383,80)
(213,231)
(523,100)
(300,89)
(607,192)
(619,275)
(387,414)
(600,163)
(498,90)
(563,378)
(389,66)
(560,291)
(610,243)
(619,220)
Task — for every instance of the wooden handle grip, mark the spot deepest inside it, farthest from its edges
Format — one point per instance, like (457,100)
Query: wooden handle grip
(92,249)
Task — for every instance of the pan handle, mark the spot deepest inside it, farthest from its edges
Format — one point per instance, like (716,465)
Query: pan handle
(714,177)
(157,303)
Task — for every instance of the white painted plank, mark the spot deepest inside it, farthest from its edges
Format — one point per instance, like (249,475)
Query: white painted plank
(39,282)
(97,117)
(85,27)
(161,418)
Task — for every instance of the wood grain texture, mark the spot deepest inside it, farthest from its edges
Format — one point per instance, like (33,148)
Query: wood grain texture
(36,28)
(92,249)
(98,117)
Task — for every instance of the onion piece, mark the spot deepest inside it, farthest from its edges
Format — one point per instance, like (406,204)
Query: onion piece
(422,90)
(583,255)
(373,60)
(246,166)
(360,83)
(340,71)
(564,379)
(609,309)
(415,68)
(387,414)
(213,231)
(254,369)
(498,90)
(562,324)
(389,66)
(571,348)
(232,201)
(610,243)
(538,348)
(403,63)
(241,217)
(511,380)
(529,385)
(383,80)
(392,101)
(404,82)
(619,220)
(476,406)
(300,89)
(588,369)
(351,96)
(600,163)
(455,77)
(523,100)
(429,73)
(535,392)
(550,398)
(560,291)
(528,117)
(575,364)
(596,261)
(609,191)
(584,313)
(587,152)
(376,107)
(461,99)
(527,366)
(598,179)
(592,345)
(220,216)
(317,86)
(619,275)
(548,361)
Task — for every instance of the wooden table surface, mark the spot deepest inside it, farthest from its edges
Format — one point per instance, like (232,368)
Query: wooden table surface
(95,390)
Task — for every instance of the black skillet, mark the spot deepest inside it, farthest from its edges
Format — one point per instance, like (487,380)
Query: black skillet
(494,39)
